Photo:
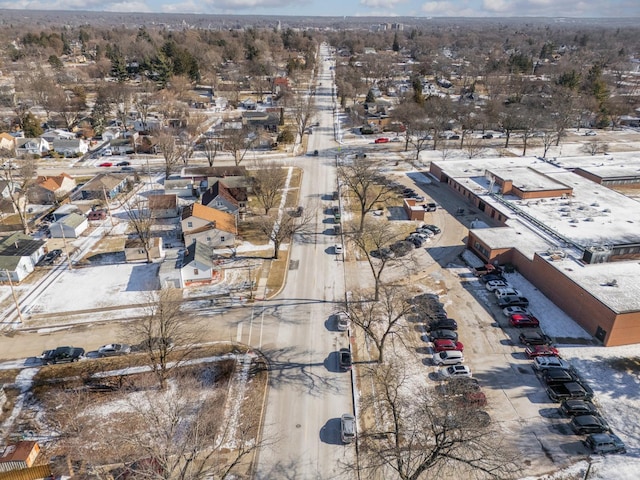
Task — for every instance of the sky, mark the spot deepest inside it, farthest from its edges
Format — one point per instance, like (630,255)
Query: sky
(390,8)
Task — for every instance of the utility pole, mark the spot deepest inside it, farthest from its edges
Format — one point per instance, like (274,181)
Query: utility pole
(66,249)
(15,297)
(106,200)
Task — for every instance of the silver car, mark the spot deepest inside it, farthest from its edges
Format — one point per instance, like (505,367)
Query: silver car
(347,428)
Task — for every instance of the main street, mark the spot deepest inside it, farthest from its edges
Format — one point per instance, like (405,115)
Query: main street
(308,393)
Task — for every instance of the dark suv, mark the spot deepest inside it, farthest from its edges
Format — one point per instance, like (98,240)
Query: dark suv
(62,355)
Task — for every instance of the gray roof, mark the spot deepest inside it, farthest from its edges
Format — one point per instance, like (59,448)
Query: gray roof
(199,252)
(72,220)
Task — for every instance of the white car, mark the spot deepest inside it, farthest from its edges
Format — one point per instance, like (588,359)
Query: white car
(492,285)
(337,249)
(507,292)
(448,357)
(342,321)
(542,363)
(425,231)
(455,371)
(508,311)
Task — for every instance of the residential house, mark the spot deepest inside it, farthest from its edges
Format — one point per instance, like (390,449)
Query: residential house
(221,197)
(249,104)
(32,146)
(67,209)
(104,186)
(208,225)
(7,142)
(57,134)
(149,125)
(50,190)
(180,187)
(134,249)
(121,146)
(18,456)
(267,121)
(19,253)
(70,226)
(196,174)
(281,84)
(163,206)
(199,265)
(111,133)
(70,148)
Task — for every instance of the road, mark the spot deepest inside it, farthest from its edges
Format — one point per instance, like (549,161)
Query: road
(308,393)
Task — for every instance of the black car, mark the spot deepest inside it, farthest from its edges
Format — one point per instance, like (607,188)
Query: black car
(571,408)
(124,163)
(402,248)
(444,324)
(583,424)
(51,257)
(558,375)
(435,229)
(492,276)
(442,334)
(513,301)
(534,338)
(62,355)
(384,253)
(344,359)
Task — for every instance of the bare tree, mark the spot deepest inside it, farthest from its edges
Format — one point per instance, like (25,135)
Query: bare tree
(211,147)
(595,147)
(302,112)
(381,319)
(281,229)
(237,142)
(548,140)
(20,176)
(166,142)
(413,440)
(194,126)
(371,242)
(474,147)
(140,219)
(269,180)
(165,338)
(358,178)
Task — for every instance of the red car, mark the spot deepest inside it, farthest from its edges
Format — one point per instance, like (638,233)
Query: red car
(381,140)
(524,320)
(440,345)
(541,351)
(106,164)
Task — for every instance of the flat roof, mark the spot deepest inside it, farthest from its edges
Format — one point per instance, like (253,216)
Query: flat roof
(528,178)
(592,215)
(615,284)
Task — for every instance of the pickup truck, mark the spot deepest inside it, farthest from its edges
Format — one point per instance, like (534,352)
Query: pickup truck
(488,268)
(558,392)
(62,355)
(513,301)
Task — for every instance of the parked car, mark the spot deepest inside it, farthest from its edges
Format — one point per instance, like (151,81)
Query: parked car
(508,311)
(459,386)
(492,276)
(601,443)
(534,338)
(535,351)
(62,355)
(113,349)
(583,424)
(381,140)
(506,292)
(50,257)
(493,285)
(448,357)
(442,334)
(571,408)
(443,344)
(402,248)
(345,360)
(521,320)
(455,371)
(337,249)
(342,321)
(384,253)
(553,375)
(124,163)
(433,228)
(417,241)
(544,363)
(513,301)
(347,428)
(569,390)
(106,164)
(430,207)
(445,324)
(425,231)
(417,197)
(590,133)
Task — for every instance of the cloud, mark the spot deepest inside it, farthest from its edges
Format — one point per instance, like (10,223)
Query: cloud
(91,5)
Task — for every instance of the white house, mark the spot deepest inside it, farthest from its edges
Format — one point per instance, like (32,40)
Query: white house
(70,226)
(208,225)
(32,146)
(199,266)
(70,148)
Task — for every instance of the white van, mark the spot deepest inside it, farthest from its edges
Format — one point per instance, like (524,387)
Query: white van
(448,357)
